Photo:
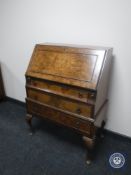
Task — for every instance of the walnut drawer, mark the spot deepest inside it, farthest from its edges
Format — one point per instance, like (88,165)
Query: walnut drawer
(45,111)
(65,90)
(61,102)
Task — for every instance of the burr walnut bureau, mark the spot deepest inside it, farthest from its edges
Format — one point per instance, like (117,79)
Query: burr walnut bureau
(68,85)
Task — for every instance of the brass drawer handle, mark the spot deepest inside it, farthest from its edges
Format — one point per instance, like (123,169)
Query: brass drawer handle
(77,124)
(80,95)
(91,95)
(78,111)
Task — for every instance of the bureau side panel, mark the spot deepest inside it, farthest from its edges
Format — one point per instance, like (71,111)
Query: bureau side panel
(103,83)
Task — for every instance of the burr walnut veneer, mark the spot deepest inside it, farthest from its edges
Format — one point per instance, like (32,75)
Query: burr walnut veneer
(68,85)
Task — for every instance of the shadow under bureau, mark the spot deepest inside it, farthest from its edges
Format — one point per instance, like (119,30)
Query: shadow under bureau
(68,85)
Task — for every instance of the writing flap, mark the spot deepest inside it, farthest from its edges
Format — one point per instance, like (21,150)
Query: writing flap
(72,66)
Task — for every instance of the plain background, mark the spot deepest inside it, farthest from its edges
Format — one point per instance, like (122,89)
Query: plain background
(23,23)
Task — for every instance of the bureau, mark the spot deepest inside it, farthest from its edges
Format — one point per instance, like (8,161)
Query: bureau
(68,84)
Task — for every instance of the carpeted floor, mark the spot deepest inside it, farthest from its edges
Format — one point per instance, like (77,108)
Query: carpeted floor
(52,150)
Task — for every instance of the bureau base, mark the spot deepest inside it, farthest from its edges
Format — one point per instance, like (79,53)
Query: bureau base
(90,143)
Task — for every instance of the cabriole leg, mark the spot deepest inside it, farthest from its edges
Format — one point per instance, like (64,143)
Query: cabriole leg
(90,149)
(100,132)
(29,122)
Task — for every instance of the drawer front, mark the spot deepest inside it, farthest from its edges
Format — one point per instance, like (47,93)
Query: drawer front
(59,117)
(61,103)
(71,92)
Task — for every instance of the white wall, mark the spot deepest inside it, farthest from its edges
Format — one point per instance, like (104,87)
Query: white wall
(23,23)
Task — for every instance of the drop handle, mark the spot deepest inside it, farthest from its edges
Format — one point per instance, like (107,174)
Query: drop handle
(77,124)
(80,95)
(78,111)
(91,95)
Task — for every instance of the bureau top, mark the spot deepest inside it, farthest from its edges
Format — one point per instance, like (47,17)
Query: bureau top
(73,65)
